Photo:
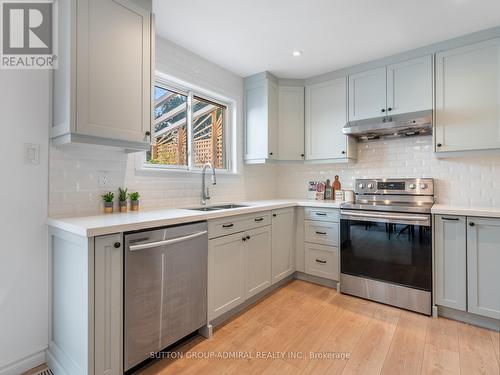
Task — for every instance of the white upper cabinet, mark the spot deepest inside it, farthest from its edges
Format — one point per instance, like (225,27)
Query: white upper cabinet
(394,89)
(483,261)
(102,93)
(291,123)
(367,94)
(326,115)
(261,118)
(409,86)
(468,97)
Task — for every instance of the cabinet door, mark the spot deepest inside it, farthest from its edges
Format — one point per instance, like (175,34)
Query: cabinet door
(483,265)
(326,115)
(113,50)
(272,119)
(367,94)
(258,260)
(226,274)
(291,123)
(108,289)
(283,244)
(256,112)
(409,86)
(451,257)
(467,97)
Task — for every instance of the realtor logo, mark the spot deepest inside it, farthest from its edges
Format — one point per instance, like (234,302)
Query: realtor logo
(28,38)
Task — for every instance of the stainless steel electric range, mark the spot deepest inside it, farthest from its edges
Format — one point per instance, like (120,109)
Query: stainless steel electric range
(386,243)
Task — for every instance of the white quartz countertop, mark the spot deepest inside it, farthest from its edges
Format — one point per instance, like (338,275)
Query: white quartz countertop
(445,209)
(103,224)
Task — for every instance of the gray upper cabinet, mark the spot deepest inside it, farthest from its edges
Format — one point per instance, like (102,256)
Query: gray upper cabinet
(261,118)
(291,123)
(450,262)
(367,94)
(398,88)
(467,97)
(409,86)
(326,115)
(483,262)
(102,91)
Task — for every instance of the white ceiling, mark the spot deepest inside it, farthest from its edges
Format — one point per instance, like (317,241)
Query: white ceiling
(249,36)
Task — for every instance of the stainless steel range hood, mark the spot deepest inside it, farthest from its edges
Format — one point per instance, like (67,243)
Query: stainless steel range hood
(404,125)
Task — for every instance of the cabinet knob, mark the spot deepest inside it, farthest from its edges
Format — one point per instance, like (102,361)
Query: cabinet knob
(302,155)
(117,245)
(271,153)
(383,109)
(439,145)
(148,133)
(243,238)
(343,152)
(389,109)
(247,237)
(471,224)
(274,215)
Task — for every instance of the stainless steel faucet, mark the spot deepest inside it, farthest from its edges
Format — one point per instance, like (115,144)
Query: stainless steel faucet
(205,192)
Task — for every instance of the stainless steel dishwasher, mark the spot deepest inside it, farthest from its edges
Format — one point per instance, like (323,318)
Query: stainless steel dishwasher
(165,288)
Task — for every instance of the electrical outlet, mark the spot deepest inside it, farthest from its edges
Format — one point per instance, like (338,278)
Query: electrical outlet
(31,153)
(103,179)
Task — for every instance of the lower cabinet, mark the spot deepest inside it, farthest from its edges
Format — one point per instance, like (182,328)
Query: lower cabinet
(108,305)
(283,234)
(257,248)
(483,266)
(467,261)
(226,273)
(451,261)
(322,261)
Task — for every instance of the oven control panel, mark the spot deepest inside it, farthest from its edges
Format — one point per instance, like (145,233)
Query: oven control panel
(407,186)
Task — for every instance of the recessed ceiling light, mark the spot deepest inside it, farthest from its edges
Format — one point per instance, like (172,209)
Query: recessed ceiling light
(296,53)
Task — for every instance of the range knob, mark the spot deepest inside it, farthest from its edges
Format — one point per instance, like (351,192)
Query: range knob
(413,186)
(361,186)
(423,186)
(371,186)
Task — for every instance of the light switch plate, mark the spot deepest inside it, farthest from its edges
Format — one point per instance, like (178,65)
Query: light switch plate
(31,153)
(103,179)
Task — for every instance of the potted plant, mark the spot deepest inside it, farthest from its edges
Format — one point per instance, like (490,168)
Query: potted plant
(122,197)
(134,201)
(108,202)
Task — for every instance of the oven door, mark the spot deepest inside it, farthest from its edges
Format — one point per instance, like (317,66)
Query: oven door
(389,247)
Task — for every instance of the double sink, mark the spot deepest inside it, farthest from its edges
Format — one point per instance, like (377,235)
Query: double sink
(217,208)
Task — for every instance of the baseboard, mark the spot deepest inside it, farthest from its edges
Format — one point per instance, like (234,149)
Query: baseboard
(54,365)
(466,317)
(315,279)
(24,364)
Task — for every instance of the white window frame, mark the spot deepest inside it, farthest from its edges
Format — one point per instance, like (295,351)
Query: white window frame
(190,91)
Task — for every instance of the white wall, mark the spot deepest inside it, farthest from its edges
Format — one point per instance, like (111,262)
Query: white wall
(24,118)
(472,180)
(74,169)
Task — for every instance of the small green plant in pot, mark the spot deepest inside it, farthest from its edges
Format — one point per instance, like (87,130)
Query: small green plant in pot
(134,201)
(122,196)
(108,202)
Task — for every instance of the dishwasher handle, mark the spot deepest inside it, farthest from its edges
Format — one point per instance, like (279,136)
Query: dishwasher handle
(166,242)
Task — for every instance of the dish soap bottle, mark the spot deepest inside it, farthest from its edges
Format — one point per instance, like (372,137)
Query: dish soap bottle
(328,190)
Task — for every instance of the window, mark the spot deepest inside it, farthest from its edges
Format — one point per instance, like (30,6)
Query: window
(189,130)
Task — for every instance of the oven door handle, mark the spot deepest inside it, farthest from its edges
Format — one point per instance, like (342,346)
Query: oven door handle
(389,218)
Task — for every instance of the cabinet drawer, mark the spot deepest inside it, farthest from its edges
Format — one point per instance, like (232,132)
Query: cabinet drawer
(324,233)
(321,214)
(322,261)
(240,223)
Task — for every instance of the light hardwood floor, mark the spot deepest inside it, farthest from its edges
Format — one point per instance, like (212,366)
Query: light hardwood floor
(302,317)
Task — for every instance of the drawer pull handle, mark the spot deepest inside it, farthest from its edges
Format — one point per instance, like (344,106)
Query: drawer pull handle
(320,214)
(450,218)
(321,261)
(259,219)
(227,225)
(322,233)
